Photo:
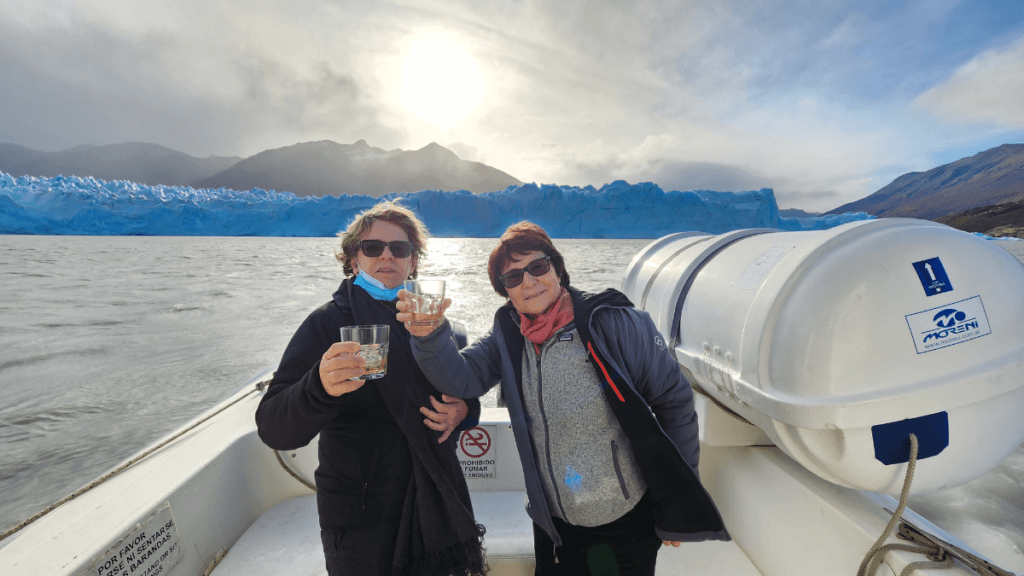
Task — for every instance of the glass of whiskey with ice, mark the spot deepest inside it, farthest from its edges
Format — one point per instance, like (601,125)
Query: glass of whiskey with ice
(373,347)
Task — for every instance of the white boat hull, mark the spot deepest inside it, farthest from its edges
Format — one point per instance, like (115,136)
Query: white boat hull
(236,510)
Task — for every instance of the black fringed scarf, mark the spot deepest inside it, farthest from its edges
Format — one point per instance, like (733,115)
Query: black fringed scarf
(437,535)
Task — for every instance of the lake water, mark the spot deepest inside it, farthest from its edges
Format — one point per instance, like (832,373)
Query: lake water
(108,343)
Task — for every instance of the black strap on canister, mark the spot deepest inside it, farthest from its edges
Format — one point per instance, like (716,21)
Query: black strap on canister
(674,332)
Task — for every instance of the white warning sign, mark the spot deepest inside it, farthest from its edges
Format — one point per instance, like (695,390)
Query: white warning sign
(477,453)
(151,549)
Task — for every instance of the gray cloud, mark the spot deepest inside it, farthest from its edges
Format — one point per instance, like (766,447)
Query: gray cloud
(678,175)
(988,89)
(806,98)
(815,201)
(187,89)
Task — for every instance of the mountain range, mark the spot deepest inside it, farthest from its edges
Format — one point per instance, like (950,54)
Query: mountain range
(992,177)
(305,169)
(325,167)
(970,194)
(136,161)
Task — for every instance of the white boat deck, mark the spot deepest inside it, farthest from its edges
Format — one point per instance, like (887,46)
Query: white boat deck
(218,492)
(786,519)
(286,540)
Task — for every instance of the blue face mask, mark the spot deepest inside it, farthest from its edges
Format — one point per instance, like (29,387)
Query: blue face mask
(374,288)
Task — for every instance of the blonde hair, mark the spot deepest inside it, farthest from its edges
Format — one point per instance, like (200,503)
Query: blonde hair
(386,211)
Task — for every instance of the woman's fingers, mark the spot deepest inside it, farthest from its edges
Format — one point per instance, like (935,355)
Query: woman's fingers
(344,387)
(440,415)
(339,348)
(338,365)
(435,420)
(439,406)
(459,408)
(403,302)
(443,418)
(436,426)
(447,433)
(345,362)
(405,315)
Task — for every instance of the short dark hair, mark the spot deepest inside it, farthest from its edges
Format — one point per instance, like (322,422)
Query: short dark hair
(523,238)
(386,211)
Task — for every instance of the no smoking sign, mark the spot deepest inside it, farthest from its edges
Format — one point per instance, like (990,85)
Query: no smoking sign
(477,453)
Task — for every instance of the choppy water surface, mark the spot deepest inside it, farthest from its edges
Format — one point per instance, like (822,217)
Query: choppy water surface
(108,343)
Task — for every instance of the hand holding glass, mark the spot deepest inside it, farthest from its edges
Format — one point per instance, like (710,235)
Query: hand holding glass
(426,298)
(373,347)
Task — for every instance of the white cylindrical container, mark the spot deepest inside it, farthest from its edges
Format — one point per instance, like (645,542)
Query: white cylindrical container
(840,343)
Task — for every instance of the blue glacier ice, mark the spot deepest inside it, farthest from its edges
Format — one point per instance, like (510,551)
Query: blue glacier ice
(87,206)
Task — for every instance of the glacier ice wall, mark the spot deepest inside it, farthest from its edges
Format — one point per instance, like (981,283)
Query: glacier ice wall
(87,206)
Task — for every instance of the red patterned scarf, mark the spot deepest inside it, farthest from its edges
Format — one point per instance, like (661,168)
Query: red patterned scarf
(544,325)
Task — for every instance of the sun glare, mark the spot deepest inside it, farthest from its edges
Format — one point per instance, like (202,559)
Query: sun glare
(440,83)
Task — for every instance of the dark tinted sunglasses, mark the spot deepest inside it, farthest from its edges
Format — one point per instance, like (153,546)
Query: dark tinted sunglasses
(537,268)
(374,248)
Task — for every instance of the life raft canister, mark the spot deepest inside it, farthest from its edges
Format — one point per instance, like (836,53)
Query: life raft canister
(839,343)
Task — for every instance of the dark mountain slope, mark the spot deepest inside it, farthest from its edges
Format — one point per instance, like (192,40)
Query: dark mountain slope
(328,168)
(999,220)
(990,177)
(136,161)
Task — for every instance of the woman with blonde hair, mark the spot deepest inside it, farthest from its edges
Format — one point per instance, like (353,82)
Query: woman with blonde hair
(391,495)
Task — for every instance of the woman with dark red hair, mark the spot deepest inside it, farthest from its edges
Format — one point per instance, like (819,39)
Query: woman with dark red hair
(602,415)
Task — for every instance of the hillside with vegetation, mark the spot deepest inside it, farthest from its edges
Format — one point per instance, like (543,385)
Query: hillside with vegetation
(989,178)
(1000,220)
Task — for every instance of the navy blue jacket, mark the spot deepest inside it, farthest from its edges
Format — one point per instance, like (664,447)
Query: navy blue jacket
(647,392)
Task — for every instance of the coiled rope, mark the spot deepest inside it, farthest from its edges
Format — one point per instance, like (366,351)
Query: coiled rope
(260,386)
(936,555)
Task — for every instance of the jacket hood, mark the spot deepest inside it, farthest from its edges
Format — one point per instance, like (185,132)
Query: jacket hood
(341,296)
(588,301)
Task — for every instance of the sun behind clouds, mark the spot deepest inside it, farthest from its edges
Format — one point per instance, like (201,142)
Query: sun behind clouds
(440,83)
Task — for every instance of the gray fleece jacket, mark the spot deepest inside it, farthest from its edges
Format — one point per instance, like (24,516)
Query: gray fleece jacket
(646,391)
(589,474)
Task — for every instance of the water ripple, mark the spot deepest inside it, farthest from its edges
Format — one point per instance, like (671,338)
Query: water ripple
(41,358)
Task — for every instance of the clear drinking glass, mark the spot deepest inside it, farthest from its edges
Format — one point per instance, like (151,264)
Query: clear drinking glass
(373,347)
(426,297)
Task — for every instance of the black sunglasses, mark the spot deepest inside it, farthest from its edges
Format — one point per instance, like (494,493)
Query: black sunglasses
(374,248)
(537,268)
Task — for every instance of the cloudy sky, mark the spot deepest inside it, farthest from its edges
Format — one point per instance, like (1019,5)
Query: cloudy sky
(824,101)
